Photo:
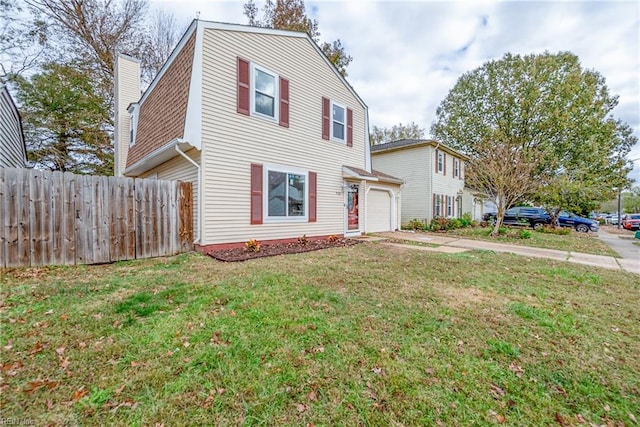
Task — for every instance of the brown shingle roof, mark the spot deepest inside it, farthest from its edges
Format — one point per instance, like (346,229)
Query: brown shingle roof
(163,112)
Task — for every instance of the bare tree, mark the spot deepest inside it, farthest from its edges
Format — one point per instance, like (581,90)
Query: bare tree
(22,40)
(503,172)
(162,37)
(95,29)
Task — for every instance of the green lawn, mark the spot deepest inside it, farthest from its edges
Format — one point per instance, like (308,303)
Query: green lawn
(588,243)
(366,335)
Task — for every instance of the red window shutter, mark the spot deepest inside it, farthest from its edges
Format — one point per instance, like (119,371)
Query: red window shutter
(243,86)
(444,164)
(256,193)
(326,118)
(284,102)
(313,196)
(434,205)
(349,127)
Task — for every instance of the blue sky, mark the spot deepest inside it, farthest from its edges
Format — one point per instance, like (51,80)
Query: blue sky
(408,55)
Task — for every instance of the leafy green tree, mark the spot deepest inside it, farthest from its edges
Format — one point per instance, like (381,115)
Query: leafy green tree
(291,15)
(631,200)
(396,132)
(552,112)
(63,117)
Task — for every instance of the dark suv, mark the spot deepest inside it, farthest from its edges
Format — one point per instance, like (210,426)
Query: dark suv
(522,215)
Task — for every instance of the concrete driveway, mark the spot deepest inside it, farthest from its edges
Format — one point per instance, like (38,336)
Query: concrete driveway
(623,245)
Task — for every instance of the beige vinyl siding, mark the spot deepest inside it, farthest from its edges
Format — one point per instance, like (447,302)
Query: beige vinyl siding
(179,169)
(127,91)
(414,167)
(232,141)
(12,152)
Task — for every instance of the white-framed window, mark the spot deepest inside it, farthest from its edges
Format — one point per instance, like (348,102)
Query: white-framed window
(440,156)
(286,193)
(338,122)
(456,168)
(459,206)
(449,206)
(438,206)
(264,93)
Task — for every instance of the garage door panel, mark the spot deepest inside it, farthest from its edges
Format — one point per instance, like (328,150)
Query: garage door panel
(378,211)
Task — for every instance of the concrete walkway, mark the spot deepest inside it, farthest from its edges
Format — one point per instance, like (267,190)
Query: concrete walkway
(452,244)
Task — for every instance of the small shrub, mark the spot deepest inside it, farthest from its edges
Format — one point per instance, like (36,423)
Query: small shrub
(253,245)
(455,223)
(502,231)
(439,223)
(302,240)
(466,220)
(333,238)
(415,224)
(524,234)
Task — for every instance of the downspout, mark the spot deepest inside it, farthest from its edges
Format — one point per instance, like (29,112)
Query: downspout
(190,160)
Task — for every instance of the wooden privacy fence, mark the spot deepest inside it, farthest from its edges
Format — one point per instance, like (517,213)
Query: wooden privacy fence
(55,218)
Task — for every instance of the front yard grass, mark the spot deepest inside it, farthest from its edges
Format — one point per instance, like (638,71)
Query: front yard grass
(588,243)
(365,335)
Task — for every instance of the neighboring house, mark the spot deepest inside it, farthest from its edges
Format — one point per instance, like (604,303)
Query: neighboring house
(433,176)
(13,152)
(273,138)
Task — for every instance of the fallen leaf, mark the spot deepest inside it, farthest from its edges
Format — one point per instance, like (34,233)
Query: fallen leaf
(60,351)
(38,384)
(606,408)
(9,345)
(500,419)
(632,418)
(378,371)
(49,311)
(64,363)
(79,394)
(36,349)
(301,407)
(318,350)
(118,391)
(312,396)
(50,405)
(64,317)
(513,367)
(581,419)
(496,391)
(560,420)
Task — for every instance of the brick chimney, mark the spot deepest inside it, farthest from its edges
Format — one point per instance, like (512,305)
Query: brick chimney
(127,92)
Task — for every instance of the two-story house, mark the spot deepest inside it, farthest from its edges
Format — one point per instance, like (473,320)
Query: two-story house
(433,176)
(273,138)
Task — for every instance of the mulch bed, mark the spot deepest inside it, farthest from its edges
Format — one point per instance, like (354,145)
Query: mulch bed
(243,254)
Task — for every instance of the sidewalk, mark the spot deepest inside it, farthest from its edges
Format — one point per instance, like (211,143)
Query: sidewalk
(452,244)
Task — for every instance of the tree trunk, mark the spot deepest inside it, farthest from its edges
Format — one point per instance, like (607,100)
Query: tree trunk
(499,218)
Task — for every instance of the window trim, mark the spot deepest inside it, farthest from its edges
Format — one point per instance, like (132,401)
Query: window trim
(449,206)
(266,168)
(344,124)
(253,90)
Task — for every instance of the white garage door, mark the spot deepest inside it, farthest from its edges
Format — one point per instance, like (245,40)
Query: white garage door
(378,211)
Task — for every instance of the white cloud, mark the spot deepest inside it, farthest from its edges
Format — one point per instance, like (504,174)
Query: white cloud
(407,55)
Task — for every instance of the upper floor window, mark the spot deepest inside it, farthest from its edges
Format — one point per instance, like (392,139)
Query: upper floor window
(262,93)
(456,168)
(440,162)
(338,121)
(265,93)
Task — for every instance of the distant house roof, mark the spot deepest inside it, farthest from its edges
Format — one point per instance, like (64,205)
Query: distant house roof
(410,143)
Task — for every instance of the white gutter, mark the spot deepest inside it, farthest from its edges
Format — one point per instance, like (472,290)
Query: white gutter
(190,160)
